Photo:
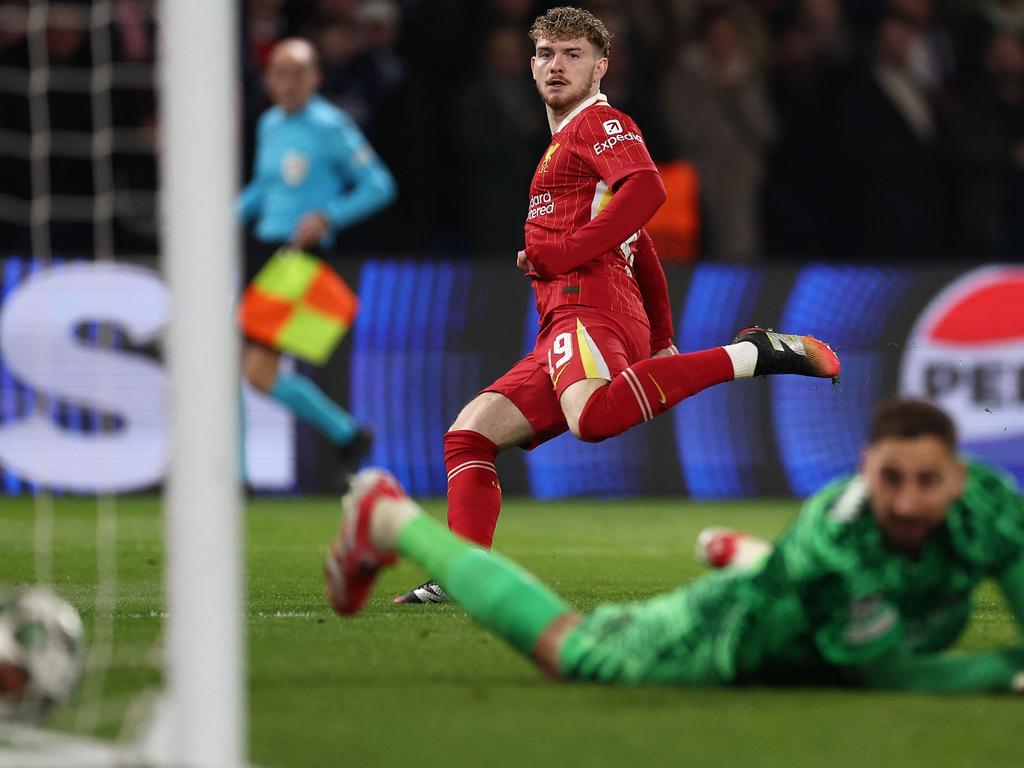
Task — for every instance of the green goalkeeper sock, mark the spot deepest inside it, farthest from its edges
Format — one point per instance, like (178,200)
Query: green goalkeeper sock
(493,590)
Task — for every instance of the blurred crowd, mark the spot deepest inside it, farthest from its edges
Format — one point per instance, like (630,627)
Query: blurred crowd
(855,129)
(53,104)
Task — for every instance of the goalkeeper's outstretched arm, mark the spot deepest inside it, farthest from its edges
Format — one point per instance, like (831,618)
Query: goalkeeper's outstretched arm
(996,670)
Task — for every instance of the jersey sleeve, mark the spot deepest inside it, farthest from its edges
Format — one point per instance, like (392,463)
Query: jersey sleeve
(611,145)
(828,556)
(1009,524)
(250,201)
(1009,566)
(370,184)
(1011,582)
(650,278)
(637,199)
(988,528)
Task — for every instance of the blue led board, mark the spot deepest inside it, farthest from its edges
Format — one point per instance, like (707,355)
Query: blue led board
(719,434)
(820,431)
(408,371)
(431,333)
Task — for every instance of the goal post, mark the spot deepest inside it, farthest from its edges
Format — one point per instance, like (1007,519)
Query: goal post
(205,646)
(84,400)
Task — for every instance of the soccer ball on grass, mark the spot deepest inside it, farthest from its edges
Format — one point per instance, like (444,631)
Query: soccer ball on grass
(42,650)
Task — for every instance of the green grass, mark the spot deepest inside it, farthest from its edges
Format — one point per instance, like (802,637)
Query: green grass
(422,686)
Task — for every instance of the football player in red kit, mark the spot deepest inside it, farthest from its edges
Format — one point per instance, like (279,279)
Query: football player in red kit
(604,359)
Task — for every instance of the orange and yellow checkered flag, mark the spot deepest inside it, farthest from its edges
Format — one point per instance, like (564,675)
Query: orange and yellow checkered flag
(299,305)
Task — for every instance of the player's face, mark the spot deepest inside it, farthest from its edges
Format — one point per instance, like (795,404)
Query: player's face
(292,80)
(567,72)
(911,483)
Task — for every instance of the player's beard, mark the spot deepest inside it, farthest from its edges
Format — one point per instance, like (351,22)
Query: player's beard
(906,537)
(566,99)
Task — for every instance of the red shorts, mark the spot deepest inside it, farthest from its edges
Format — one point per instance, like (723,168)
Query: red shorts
(578,343)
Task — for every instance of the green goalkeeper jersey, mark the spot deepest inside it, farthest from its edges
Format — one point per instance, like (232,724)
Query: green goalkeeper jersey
(833,598)
(830,604)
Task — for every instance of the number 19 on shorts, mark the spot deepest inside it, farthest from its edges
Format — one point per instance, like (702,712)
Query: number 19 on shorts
(560,353)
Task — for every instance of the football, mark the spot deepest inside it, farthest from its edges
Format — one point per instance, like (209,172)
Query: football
(42,649)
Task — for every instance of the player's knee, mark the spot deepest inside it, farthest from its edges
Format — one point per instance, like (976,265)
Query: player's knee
(466,439)
(464,424)
(577,430)
(496,418)
(595,422)
(472,416)
(588,429)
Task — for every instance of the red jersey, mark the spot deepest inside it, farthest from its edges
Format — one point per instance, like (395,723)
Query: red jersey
(593,149)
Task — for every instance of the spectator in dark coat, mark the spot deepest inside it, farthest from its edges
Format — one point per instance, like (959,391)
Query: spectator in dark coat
(986,152)
(890,129)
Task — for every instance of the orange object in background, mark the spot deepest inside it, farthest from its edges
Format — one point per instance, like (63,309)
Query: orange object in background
(675,228)
(297,304)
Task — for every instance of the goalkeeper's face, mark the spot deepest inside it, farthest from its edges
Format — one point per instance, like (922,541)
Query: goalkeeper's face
(911,483)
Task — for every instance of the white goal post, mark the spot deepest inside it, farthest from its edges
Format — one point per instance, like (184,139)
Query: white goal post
(198,63)
(199,720)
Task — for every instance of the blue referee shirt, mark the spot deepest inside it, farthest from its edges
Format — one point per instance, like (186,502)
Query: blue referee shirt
(315,159)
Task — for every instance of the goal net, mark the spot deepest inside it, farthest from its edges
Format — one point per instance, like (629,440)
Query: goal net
(118,370)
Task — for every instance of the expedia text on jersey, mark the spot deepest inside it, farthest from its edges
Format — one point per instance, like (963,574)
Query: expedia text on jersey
(618,138)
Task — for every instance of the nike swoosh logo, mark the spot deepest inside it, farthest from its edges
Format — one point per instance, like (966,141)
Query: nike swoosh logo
(661,394)
(558,375)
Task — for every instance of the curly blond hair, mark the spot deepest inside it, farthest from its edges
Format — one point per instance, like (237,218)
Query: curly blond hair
(568,23)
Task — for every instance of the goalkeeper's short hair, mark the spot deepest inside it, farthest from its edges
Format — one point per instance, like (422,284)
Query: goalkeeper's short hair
(906,418)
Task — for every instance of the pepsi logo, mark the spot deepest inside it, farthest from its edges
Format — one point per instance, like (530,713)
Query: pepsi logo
(966,354)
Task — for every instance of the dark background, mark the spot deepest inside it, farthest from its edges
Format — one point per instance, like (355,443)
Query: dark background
(872,130)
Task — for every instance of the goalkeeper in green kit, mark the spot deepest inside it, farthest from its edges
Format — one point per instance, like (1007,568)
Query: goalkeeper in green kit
(869,586)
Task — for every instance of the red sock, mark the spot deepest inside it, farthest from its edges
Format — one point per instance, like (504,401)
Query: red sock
(474,495)
(649,388)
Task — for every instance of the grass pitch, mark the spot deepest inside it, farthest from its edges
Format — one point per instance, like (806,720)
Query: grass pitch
(419,686)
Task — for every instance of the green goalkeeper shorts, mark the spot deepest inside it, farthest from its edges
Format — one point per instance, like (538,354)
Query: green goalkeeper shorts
(688,636)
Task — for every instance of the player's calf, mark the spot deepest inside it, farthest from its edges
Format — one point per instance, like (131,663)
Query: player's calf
(647,389)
